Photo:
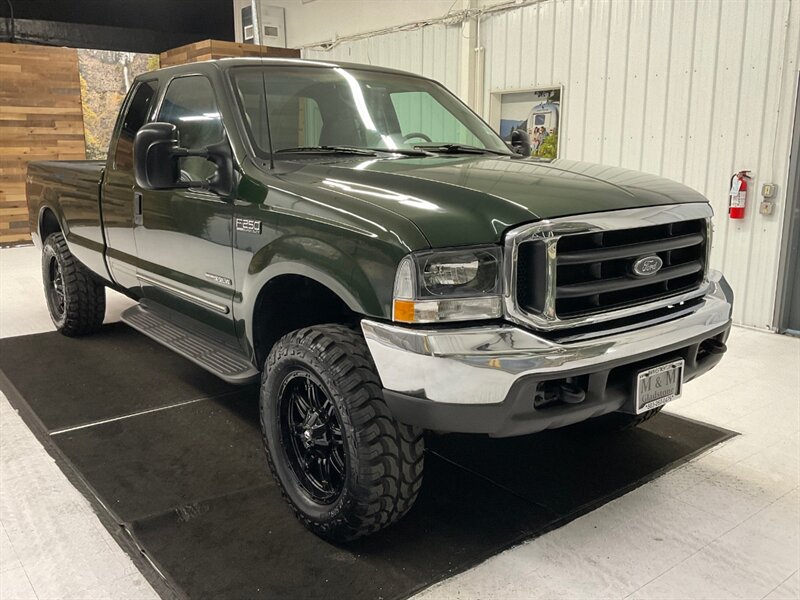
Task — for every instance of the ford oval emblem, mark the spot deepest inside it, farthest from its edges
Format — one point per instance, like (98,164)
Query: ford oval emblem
(647,266)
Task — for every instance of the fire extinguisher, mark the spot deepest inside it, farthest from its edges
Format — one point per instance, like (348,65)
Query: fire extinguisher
(737,197)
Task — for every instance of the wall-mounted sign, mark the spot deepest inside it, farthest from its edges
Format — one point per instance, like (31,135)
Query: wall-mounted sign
(538,112)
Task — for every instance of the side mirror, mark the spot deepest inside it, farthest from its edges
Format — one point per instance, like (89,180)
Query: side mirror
(156,161)
(521,142)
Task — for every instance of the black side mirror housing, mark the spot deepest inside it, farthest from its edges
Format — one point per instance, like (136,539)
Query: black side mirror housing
(154,164)
(223,181)
(156,161)
(521,142)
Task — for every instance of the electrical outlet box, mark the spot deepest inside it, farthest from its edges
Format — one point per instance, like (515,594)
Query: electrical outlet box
(768,190)
(257,23)
(767,208)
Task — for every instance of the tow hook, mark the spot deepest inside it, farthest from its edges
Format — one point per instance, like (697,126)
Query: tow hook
(571,393)
(713,346)
(561,391)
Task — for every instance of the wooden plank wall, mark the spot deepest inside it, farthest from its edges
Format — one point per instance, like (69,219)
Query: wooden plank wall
(40,119)
(209,49)
(41,116)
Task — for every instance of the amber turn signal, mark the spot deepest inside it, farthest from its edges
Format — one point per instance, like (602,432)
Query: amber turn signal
(404,311)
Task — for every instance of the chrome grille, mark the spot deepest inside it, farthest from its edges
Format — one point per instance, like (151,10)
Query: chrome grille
(578,270)
(594,269)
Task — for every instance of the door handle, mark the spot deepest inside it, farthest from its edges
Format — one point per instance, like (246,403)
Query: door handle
(137,208)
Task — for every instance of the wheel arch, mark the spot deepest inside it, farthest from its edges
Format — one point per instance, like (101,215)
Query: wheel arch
(49,223)
(289,301)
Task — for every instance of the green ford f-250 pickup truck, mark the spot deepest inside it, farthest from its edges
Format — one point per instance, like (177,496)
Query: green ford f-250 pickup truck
(369,248)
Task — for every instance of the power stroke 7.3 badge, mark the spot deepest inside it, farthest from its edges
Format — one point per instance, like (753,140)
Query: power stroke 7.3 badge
(248,225)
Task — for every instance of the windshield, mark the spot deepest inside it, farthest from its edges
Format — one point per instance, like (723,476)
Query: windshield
(338,107)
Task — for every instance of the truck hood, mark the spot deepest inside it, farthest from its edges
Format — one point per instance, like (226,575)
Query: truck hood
(455,200)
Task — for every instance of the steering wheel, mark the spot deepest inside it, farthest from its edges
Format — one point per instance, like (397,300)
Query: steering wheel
(416,134)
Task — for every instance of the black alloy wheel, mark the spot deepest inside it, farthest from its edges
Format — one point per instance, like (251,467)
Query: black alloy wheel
(342,462)
(76,298)
(311,436)
(55,288)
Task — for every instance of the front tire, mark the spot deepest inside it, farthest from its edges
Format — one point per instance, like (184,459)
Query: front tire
(342,462)
(76,300)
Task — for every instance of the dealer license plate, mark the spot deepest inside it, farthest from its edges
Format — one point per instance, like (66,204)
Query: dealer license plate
(659,385)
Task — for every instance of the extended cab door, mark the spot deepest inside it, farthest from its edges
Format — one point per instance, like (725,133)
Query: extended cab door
(119,194)
(184,241)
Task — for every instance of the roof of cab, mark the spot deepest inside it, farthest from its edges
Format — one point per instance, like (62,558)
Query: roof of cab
(229,63)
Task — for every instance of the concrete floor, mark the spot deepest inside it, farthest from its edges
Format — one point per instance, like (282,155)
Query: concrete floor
(725,525)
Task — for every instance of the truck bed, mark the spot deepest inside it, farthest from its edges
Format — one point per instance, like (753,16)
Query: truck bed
(71,190)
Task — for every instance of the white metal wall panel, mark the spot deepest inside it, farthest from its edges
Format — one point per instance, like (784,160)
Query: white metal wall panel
(432,51)
(692,91)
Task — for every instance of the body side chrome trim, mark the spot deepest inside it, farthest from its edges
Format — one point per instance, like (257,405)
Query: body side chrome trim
(220,308)
(550,231)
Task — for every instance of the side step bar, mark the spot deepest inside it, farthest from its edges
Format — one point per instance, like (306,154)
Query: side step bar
(213,355)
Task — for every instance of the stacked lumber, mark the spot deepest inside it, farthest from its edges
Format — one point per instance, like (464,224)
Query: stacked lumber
(210,49)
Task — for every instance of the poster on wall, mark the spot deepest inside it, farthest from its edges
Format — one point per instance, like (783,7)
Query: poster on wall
(105,78)
(538,112)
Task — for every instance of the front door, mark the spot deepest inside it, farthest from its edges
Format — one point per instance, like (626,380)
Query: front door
(120,189)
(184,241)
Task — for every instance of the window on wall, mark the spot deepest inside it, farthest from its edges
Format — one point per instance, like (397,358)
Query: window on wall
(190,105)
(538,112)
(135,116)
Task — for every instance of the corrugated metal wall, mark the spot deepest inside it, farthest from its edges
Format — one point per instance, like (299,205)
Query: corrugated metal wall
(689,90)
(432,51)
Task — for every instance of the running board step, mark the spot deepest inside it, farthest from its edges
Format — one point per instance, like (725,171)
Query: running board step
(211,354)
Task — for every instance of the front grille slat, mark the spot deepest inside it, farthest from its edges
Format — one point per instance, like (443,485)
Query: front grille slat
(602,286)
(592,270)
(629,250)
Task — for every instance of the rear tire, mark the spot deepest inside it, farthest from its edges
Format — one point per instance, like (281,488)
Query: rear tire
(76,299)
(342,462)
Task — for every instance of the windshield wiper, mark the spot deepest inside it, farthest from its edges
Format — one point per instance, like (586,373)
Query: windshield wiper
(352,150)
(327,150)
(403,151)
(453,148)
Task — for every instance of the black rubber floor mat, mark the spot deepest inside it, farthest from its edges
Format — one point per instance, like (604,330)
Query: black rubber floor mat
(248,545)
(69,381)
(166,459)
(174,455)
(566,469)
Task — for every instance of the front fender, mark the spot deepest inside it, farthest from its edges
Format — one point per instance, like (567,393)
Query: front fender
(361,279)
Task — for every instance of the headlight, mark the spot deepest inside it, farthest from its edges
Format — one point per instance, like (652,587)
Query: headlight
(449,285)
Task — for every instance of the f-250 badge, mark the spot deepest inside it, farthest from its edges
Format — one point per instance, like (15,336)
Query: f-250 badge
(248,225)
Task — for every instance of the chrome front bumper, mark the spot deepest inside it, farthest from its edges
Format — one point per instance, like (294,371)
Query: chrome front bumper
(480,365)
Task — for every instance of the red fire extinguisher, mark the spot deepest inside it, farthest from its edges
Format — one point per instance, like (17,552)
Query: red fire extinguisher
(737,197)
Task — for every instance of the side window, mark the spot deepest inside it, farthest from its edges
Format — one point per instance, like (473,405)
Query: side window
(189,103)
(135,117)
(294,120)
(420,112)
(310,122)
